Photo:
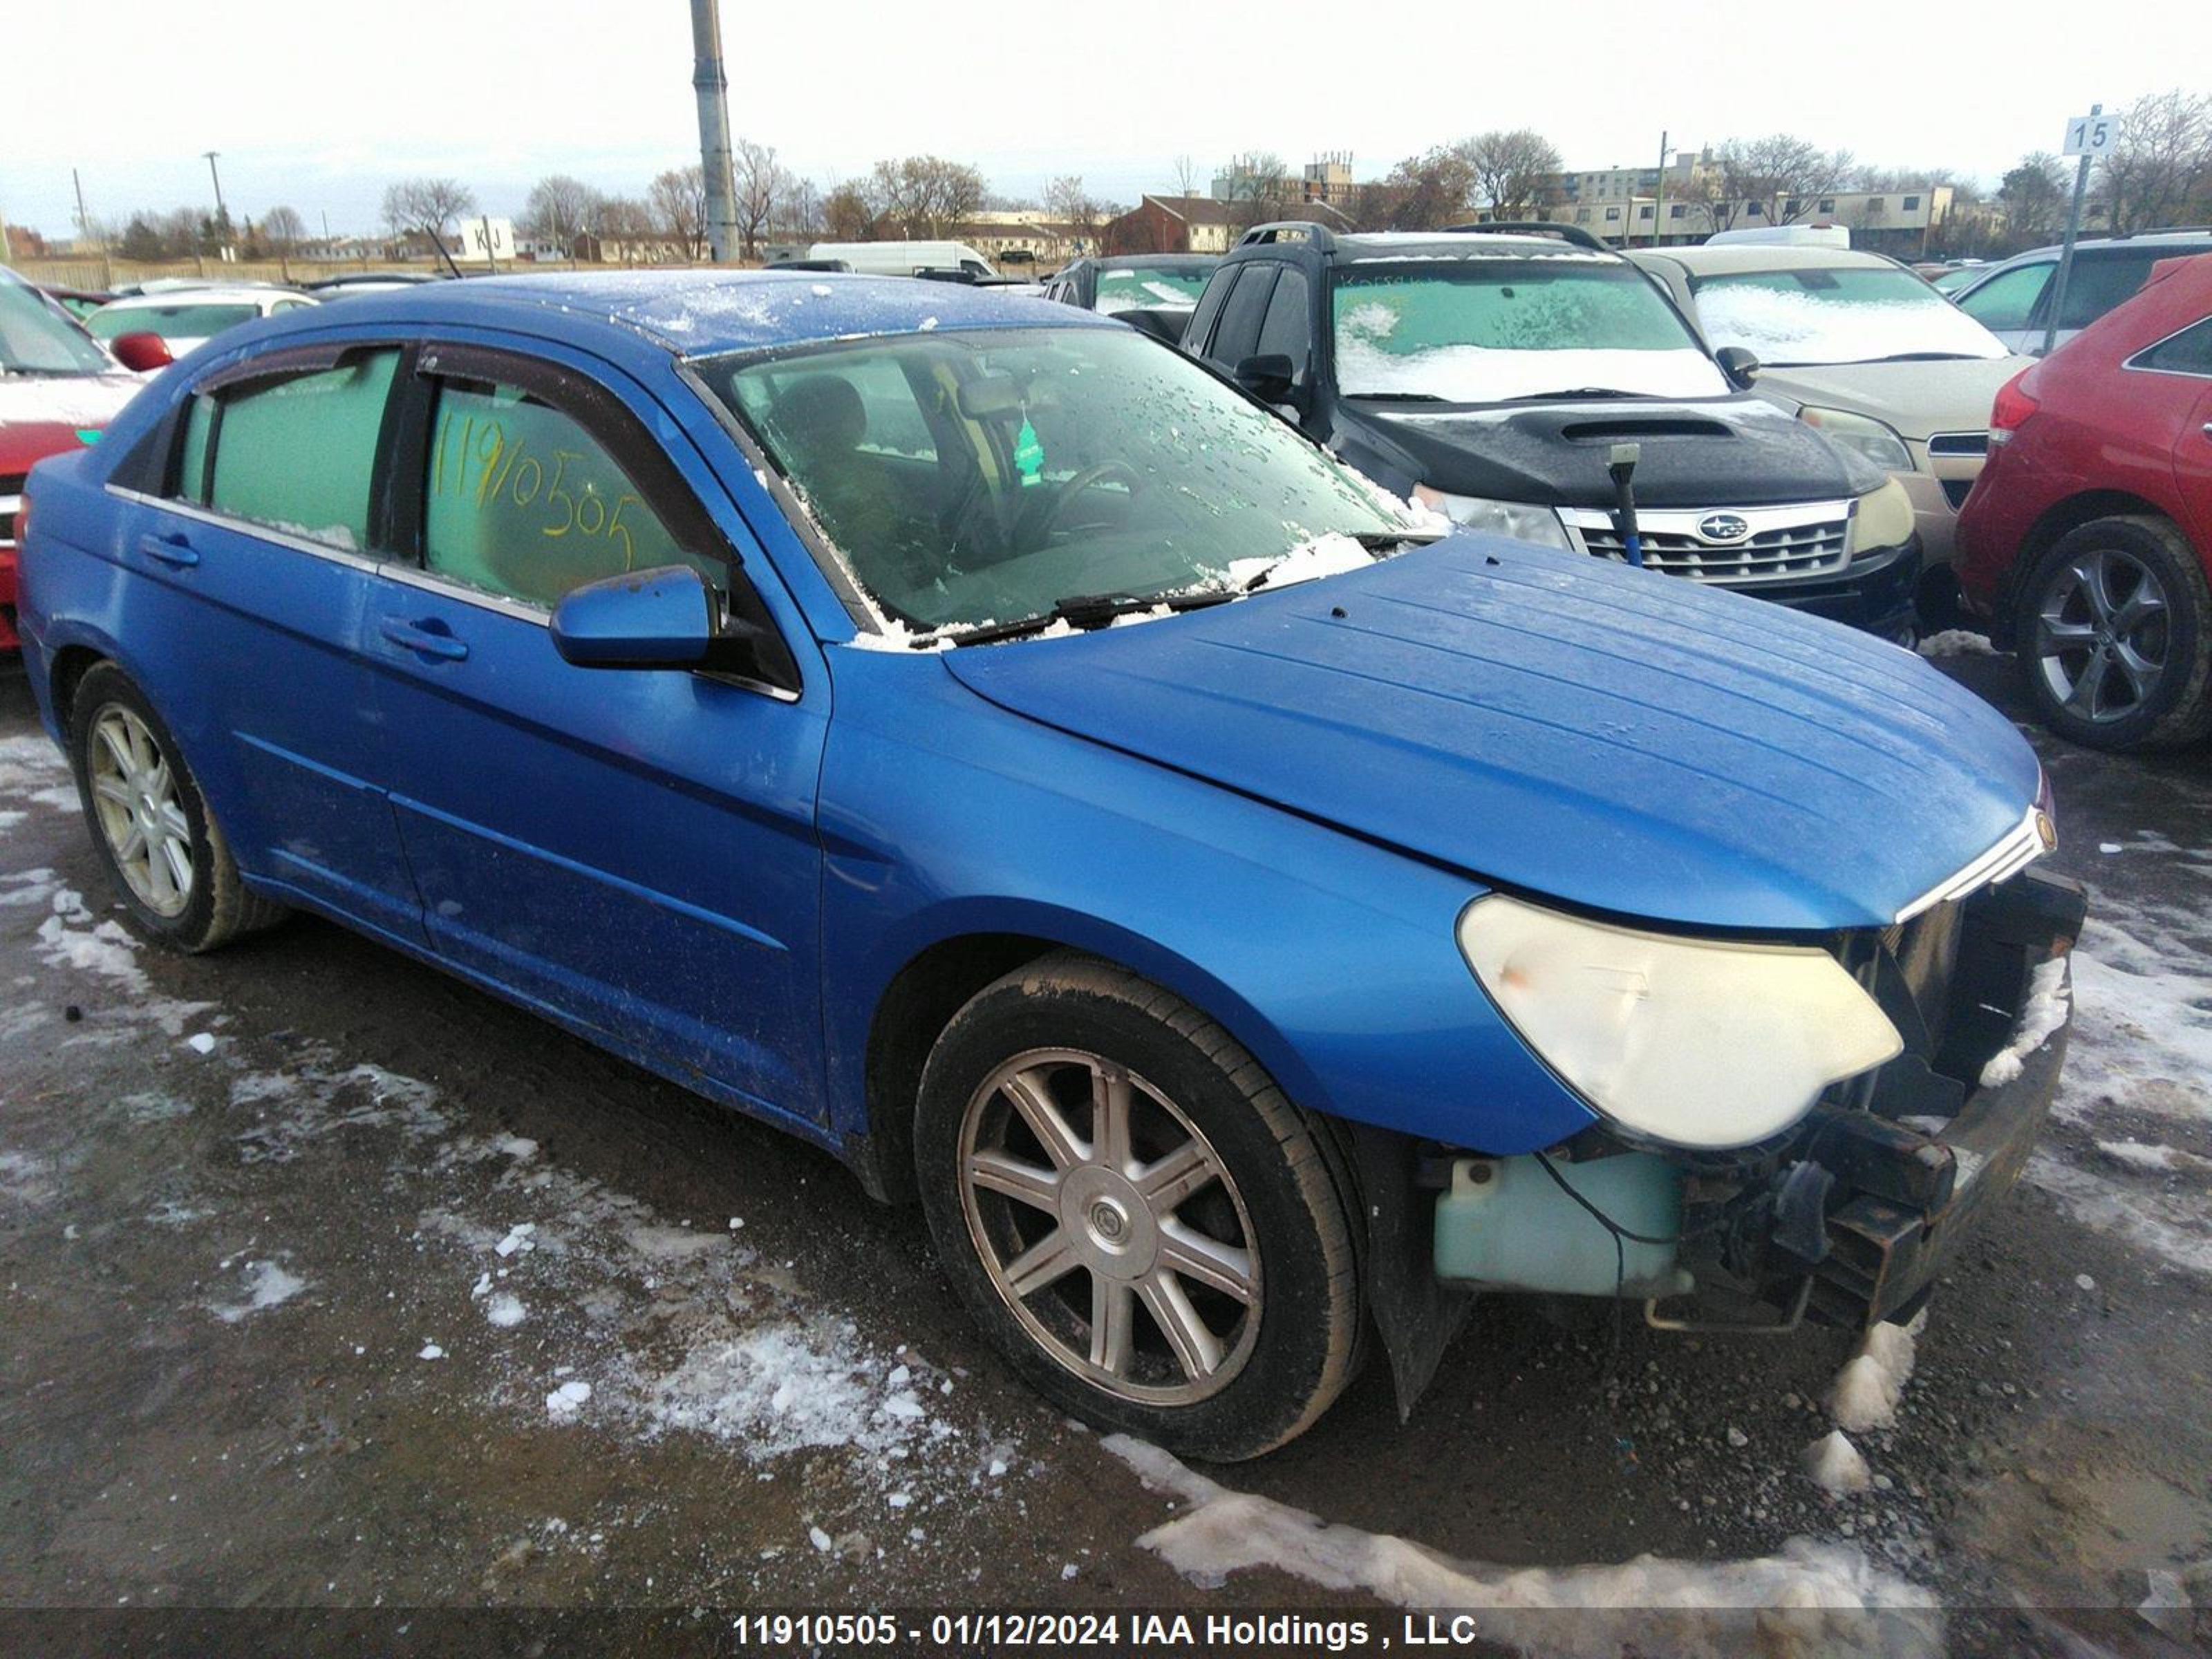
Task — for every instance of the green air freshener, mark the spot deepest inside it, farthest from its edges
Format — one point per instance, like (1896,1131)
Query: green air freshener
(87,435)
(1029,455)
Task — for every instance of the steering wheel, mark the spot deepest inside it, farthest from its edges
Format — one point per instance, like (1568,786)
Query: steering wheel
(1081,482)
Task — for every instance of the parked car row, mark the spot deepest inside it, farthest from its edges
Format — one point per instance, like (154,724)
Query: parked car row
(1253,917)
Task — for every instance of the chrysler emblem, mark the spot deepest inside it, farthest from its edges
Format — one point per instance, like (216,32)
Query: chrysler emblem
(1723,527)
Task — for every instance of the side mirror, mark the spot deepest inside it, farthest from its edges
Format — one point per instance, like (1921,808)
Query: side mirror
(1267,378)
(141,352)
(1740,367)
(667,617)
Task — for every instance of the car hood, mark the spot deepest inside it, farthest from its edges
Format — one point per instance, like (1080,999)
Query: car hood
(42,415)
(1719,451)
(1918,399)
(1608,738)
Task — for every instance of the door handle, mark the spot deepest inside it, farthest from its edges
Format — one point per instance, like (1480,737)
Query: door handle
(411,636)
(2208,428)
(172,549)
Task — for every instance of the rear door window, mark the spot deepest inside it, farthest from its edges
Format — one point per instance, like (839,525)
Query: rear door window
(2098,282)
(297,453)
(1208,308)
(2189,352)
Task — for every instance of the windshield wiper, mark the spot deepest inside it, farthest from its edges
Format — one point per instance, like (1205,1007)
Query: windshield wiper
(1086,611)
(1394,398)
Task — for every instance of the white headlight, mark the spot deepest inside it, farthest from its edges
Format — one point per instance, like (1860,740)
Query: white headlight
(1696,1043)
(1877,440)
(1519,520)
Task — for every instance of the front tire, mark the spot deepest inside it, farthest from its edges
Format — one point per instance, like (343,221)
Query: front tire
(1134,1214)
(2114,637)
(164,852)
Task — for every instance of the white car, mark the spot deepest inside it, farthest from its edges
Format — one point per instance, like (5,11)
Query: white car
(187,319)
(1856,344)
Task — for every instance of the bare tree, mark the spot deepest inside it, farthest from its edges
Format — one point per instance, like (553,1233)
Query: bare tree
(846,214)
(1084,214)
(1260,189)
(2033,197)
(560,208)
(626,220)
(428,207)
(923,196)
(2162,159)
(762,183)
(282,228)
(1185,175)
(1514,172)
(1786,176)
(1423,193)
(678,198)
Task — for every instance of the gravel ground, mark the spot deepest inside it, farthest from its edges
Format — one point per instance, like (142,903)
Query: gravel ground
(330,1283)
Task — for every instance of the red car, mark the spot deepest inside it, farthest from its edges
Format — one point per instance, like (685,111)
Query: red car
(2088,539)
(58,390)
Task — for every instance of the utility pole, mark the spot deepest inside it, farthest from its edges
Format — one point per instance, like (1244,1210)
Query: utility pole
(222,213)
(1659,195)
(6,257)
(712,88)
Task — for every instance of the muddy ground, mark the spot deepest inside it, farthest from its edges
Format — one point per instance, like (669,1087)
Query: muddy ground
(308,1256)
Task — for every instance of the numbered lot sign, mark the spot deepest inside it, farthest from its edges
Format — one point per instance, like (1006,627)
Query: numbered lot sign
(2091,135)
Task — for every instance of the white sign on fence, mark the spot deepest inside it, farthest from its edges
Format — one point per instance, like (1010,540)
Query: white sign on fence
(2091,135)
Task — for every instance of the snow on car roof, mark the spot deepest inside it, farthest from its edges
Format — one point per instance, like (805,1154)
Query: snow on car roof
(699,313)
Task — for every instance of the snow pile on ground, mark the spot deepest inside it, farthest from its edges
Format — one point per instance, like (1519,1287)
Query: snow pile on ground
(773,1390)
(1807,1600)
(2140,1051)
(2043,1013)
(71,939)
(267,1285)
(30,766)
(315,1096)
(1957,642)
(1867,1391)
(1835,1466)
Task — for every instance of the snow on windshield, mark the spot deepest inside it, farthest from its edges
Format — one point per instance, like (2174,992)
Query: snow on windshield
(1488,330)
(1848,314)
(36,339)
(1124,287)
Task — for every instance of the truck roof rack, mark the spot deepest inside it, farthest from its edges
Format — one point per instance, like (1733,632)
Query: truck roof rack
(1289,230)
(1574,233)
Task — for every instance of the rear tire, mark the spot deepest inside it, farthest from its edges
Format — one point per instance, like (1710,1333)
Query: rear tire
(1134,1214)
(164,853)
(2113,636)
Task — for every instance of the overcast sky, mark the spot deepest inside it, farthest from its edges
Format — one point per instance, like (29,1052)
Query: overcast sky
(320,105)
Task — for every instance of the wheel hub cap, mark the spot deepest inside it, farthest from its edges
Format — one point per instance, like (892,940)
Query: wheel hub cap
(1110,1227)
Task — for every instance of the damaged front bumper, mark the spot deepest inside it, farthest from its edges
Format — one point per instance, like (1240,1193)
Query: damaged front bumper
(1847,1219)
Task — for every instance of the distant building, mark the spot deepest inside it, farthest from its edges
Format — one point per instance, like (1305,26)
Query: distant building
(1178,224)
(1625,204)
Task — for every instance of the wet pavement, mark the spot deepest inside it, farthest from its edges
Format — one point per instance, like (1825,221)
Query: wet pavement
(331,1283)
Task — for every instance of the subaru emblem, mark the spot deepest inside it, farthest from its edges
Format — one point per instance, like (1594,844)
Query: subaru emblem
(1723,527)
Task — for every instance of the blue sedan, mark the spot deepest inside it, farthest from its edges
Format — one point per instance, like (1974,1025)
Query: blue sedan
(964,732)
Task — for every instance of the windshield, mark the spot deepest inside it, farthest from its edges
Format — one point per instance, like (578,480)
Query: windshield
(1836,314)
(1485,331)
(984,478)
(1124,287)
(35,340)
(181,321)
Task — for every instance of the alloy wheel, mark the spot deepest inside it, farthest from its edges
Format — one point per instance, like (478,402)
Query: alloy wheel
(2101,636)
(1110,1227)
(141,814)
